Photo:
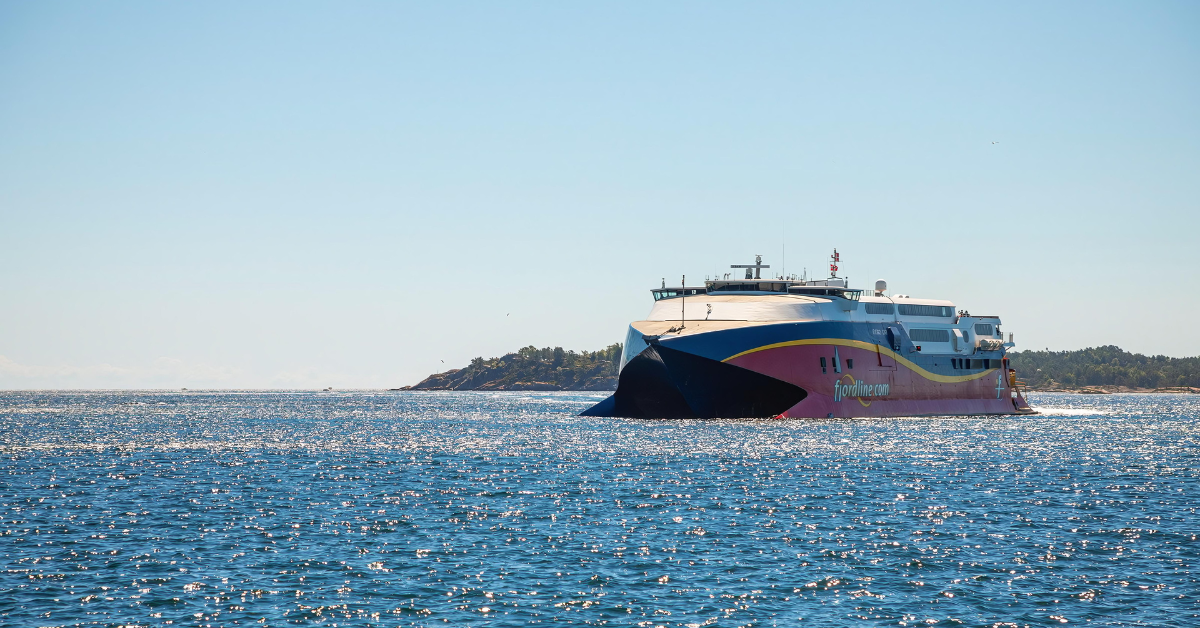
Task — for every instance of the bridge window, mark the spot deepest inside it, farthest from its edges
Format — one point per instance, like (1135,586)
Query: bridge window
(909,309)
(929,335)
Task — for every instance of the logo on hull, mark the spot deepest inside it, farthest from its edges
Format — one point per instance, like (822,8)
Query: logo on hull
(858,389)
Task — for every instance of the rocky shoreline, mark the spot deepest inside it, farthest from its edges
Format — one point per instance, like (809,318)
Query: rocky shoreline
(534,370)
(1109,390)
(452,380)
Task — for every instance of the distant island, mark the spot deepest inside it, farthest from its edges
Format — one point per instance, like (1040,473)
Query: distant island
(1105,369)
(533,369)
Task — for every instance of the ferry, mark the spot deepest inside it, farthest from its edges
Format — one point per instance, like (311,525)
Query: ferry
(794,347)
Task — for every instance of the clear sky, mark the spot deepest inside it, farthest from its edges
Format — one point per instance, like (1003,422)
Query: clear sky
(301,195)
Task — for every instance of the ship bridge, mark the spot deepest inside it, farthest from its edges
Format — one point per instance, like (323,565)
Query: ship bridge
(753,283)
(722,303)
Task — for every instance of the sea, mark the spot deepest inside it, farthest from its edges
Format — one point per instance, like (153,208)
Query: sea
(209,508)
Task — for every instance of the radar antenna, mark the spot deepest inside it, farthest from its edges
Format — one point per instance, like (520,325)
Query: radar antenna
(757,266)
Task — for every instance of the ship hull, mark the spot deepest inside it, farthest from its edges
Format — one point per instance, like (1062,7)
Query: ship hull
(661,382)
(809,369)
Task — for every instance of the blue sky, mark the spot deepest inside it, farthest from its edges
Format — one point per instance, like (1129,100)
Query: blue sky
(293,194)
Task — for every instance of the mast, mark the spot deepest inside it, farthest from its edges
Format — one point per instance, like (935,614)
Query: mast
(757,266)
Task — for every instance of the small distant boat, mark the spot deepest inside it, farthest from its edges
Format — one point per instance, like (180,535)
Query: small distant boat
(799,347)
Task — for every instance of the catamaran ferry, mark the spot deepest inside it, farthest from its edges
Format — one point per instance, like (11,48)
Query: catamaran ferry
(798,347)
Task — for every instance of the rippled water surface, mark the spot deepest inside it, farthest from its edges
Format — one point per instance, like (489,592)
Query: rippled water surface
(398,509)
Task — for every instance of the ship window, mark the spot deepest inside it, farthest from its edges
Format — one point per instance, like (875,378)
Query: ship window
(976,364)
(823,365)
(852,295)
(738,287)
(879,308)
(929,335)
(983,329)
(849,363)
(809,291)
(909,309)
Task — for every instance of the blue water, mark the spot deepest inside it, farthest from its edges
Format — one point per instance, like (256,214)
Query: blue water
(397,509)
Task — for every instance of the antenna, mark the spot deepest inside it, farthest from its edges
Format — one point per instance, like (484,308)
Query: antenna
(682,301)
(833,262)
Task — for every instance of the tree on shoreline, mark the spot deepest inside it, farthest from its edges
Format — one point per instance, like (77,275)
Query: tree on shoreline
(1104,366)
(530,368)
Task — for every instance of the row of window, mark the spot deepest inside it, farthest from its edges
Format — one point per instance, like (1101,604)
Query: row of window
(929,335)
(957,363)
(750,287)
(909,309)
(852,295)
(836,367)
(667,294)
(966,363)
(943,335)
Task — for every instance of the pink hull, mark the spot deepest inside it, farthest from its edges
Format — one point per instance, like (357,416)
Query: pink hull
(878,383)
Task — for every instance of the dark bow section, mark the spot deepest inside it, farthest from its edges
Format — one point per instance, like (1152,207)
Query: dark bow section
(662,383)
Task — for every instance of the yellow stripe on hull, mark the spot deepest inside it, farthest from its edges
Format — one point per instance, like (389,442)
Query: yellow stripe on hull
(869,346)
